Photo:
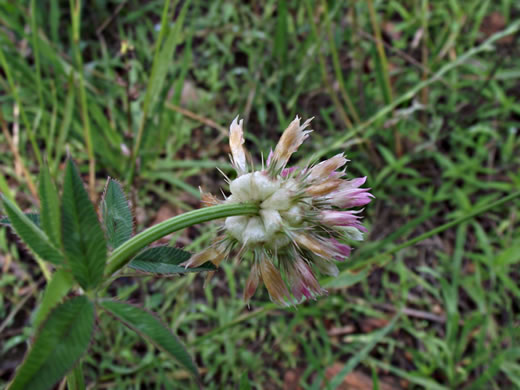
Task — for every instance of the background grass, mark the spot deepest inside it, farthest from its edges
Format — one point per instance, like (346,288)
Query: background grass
(143,91)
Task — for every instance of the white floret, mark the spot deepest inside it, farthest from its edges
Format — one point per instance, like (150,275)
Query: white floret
(272,222)
(352,233)
(254,232)
(280,200)
(262,186)
(236,226)
(294,215)
(241,188)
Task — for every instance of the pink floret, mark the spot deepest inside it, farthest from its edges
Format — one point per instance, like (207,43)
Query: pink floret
(342,249)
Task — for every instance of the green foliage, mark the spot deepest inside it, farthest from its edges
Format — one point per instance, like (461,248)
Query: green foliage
(454,108)
(372,341)
(57,288)
(244,382)
(33,217)
(31,234)
(59,344)
(50,207)
(83,238)
(163,55)
(161,63)
(165,260)
(151,328)
(117,216)
(280,40)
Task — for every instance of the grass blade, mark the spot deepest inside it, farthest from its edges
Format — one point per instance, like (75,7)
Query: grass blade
(337,67)
(280,39)
(162,61)
(34,38)
(380,258)
(361,355)
(385,74)
(16,96)
(65,125)
(323,69)
(75,11)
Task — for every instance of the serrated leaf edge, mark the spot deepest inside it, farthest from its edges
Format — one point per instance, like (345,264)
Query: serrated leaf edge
(39,330)
(161,323)
(189,270)
(102,206)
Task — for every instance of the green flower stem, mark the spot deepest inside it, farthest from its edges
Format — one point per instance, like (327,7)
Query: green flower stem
(122,255)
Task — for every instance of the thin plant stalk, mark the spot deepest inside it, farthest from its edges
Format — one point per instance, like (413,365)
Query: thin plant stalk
(424,59)
(323,70)
(357,56)
(384,67)
(75,9)
(18,159)
(337,67)
(122,255)
(76,379)
(148,97)
(16,96)
(51,136)
(380,49)
(197,117)
(34,38)
(65,124)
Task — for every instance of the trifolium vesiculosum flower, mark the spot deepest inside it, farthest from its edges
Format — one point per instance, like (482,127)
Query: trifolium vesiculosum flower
(301,221)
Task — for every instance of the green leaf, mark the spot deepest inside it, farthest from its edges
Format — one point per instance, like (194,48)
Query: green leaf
(50,206)
(4,188)
(33,217)
(152,329)
(31,235)
(56,289)
(83,238)
(165,260)
(59,344)
(117,216)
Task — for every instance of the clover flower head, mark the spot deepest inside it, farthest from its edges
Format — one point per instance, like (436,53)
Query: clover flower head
(301,218)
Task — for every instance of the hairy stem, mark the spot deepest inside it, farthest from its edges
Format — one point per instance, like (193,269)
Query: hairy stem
(122,255)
